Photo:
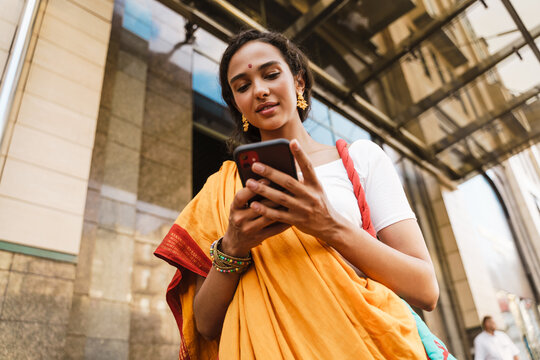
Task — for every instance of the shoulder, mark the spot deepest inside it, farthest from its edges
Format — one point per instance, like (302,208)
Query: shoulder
(366,151)
(502,334)
(227,170)
(365,146)
(480,337)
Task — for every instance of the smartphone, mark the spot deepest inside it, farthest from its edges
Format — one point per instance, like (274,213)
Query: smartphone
(274,153)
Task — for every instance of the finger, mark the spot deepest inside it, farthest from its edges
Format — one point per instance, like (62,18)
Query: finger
(276,196)
(273,229)
(269,203)
(304,163)
(277,215)
(257,224)
(286,181)
(241,198)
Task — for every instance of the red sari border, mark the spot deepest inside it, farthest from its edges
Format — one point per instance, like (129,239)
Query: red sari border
(180,250)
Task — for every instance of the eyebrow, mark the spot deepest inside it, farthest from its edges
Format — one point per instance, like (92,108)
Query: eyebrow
(261,67)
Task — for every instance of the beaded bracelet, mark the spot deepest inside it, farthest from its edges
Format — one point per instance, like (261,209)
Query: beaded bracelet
(225,263)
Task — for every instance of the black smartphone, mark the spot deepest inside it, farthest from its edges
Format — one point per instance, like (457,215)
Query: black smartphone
(275,153)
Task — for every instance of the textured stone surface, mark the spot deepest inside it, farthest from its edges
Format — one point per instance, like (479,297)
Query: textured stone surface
(128,98)
(91,209)
(178,93)
(84,263)
(111,266)
(103,121)
(4,278)
(143,254)
(6,258)
(150,325)
(125,133)
(78,317)
(167,120)
(121,167)
(117,216)
(132,66)
(37,298)
(152,228)
(152,351)
(106,349)
(41,266)
(160,66)
(74,348)
(133,44)
(164,153)
(108,319)
(97,169)
(163,186)
(22,340)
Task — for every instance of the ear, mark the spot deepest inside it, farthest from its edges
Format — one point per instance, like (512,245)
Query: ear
(299,83)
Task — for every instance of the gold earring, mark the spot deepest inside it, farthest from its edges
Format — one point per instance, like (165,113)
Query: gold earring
(245,123)
(301,102)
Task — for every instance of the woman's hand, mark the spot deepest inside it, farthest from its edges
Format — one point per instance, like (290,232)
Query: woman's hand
(304,206)
(247,228)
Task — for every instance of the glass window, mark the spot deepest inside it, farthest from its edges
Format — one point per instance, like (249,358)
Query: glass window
(206,78)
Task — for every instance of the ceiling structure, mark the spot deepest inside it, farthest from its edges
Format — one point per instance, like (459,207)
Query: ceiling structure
(348,65)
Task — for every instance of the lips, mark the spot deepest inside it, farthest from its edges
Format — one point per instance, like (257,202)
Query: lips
(265,106)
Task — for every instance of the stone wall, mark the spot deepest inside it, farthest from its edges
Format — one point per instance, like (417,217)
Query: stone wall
(139,181)
(35,298)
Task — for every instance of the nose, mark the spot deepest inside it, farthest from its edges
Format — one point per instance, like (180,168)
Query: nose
(261,90)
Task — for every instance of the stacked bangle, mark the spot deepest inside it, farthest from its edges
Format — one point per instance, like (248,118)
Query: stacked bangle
(225,263)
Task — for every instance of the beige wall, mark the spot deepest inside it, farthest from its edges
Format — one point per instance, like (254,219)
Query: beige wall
(47,153)
(10,12)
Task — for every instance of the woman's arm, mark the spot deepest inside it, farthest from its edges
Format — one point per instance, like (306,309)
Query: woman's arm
(214,293)
(400,260)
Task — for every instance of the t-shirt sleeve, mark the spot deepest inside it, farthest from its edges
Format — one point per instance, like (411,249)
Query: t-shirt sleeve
(384,192)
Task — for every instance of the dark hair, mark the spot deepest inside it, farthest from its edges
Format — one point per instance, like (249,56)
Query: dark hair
(295,58)
(484,320)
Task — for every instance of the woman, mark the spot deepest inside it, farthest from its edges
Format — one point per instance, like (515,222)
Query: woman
(283,282)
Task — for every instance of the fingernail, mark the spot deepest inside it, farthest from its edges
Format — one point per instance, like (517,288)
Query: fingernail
(258,167)
(255,206)
(252,184)
(295,144)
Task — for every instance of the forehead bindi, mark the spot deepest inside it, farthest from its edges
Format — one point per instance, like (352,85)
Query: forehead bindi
(252,55)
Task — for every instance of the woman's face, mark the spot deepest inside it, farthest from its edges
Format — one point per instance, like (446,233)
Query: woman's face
(263,86)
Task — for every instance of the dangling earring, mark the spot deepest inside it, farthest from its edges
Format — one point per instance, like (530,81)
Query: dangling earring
(245,123)
(301,102)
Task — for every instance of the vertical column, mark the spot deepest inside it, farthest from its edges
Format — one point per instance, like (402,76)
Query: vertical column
(446,320)
(164,188)
(99,325)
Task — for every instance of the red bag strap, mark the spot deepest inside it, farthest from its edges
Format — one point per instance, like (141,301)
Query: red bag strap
(367,225)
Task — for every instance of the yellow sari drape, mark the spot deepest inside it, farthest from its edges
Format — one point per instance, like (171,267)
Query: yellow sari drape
(299,299)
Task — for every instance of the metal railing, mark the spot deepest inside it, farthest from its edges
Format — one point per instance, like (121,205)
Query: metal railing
(15,63)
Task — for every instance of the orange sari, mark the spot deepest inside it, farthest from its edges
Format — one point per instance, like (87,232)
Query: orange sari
(299,299)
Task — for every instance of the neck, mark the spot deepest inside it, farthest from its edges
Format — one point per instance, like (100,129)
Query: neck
(293,130)
(491,332)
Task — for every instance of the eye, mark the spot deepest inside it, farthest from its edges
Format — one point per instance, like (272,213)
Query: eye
(273,75)
(242,88)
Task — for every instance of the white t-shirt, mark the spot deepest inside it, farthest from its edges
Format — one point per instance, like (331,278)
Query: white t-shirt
(494,347)
(384,193)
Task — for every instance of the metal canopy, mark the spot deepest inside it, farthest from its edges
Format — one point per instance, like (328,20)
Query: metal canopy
(346,41)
